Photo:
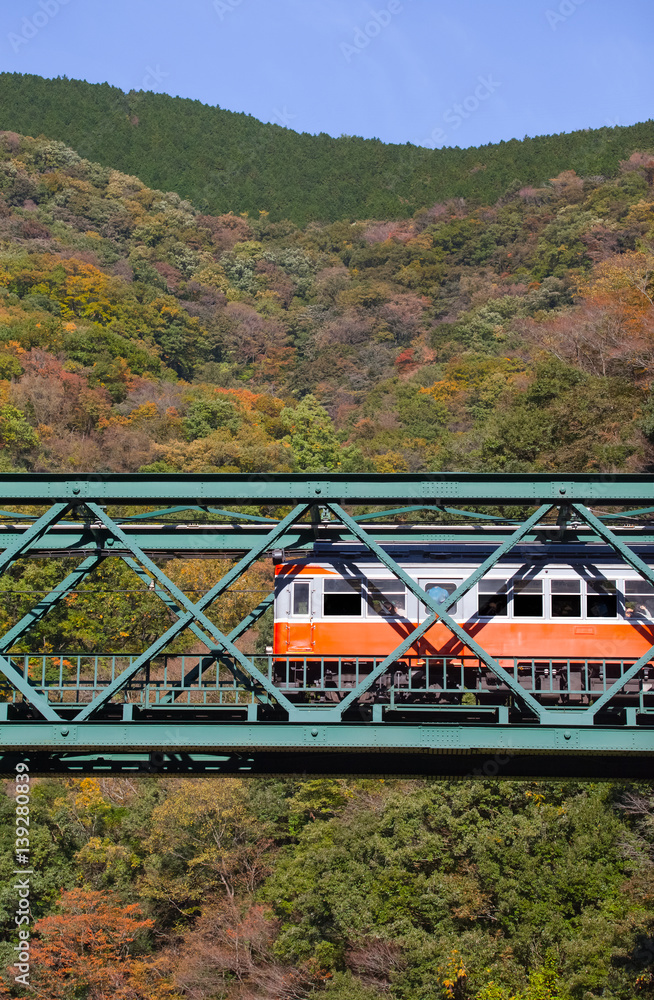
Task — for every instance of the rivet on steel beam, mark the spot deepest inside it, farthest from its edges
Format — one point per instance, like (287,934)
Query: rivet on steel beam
(318,489)
(64,732)
(75,490)
(562,491)
(314,732)
(567,734)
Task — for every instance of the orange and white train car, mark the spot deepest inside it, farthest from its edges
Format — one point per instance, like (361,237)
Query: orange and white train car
(543,601)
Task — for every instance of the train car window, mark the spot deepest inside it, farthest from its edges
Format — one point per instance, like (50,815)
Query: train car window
(440,590)
(301,598)
(527,598)
(638,599)
(386,597)
(601,599)
(493,598)
(342,597)
(566,599)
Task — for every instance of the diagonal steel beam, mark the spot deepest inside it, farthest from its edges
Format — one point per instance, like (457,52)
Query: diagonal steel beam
(439,510)
(440,610)
(616,543)
(10,554)
(192,675)
(216,651)
(29,692)
(33,533)
(194,612)
(41,609)
(620,683)
(645,571)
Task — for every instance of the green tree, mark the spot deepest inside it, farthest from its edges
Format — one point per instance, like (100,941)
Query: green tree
(16,434)
(315,444)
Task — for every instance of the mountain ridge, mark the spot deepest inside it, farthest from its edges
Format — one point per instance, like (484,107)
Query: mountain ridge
(229,161)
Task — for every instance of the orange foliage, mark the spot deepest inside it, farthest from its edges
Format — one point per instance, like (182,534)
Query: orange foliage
(87,946)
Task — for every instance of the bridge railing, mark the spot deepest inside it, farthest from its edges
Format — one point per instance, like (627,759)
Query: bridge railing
(74,679)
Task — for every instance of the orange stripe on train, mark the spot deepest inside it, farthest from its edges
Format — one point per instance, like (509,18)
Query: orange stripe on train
(538,640)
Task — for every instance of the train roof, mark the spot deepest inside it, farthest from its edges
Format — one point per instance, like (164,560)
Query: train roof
(465,543)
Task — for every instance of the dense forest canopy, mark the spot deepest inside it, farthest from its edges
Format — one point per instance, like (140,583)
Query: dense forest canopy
(224,161)
(506,324)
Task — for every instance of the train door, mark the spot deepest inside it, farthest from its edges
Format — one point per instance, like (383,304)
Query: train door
(300,629)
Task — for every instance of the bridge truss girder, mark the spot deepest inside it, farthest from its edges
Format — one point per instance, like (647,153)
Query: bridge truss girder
(261,727)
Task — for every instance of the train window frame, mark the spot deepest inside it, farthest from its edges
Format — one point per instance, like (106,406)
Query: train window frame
(530,588)
(354,583)
(640,612)
(589,595)
(501,588)
(573,595)
(292,603)
(425,582)
(394,612)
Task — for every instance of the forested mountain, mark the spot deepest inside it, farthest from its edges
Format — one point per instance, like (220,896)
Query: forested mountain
(140,332)
(226,162)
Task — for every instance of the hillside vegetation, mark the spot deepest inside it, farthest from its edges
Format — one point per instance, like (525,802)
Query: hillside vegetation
(223,888)
(225,161)
(138,332)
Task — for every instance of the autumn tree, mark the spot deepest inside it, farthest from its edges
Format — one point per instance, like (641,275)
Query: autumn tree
(90,947)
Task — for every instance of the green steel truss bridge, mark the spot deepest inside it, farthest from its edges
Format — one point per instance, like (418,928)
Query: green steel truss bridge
(221,710)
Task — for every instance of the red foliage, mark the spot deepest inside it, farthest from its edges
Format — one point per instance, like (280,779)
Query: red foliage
(255,339)
(57,398)
(405,360)
(225,230)
(228,953)
(171,274)
(10,141)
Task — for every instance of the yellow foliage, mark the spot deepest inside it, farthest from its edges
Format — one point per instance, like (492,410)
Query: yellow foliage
(212,275)
(642,211)
(390,462)
(631,272)
(90,798)
(122,184)
(146,411)
(443,390)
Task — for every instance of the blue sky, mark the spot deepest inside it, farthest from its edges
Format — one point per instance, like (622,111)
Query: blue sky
(421,71)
